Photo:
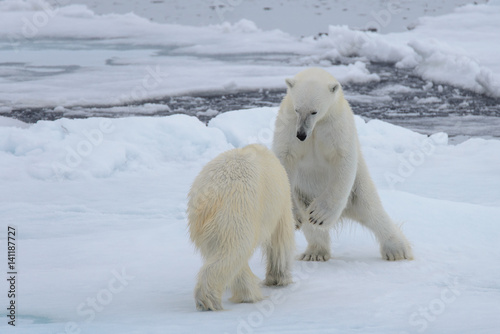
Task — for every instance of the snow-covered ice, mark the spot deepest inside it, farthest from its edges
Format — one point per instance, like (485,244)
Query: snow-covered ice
(62,56)
(385,16)
(99,206)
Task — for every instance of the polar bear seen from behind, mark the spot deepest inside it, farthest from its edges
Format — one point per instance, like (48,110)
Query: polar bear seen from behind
(240,200)
(316,141)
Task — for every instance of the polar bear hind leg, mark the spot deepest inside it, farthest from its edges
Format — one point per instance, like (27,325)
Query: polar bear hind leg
(213,278)
(245,287)
(366,208)
(216,276)
(279,252)
(208,291)
(226,265)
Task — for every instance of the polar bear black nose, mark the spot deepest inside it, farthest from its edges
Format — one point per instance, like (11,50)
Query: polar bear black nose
(302,136)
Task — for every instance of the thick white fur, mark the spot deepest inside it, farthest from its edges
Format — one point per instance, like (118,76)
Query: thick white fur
(240,200)
(327,172)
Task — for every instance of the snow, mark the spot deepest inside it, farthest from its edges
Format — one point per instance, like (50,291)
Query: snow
(209,112)
(99,206)
(431,99)
(443,49)
(67,55)
(394,89)
(386,16)
(451,52)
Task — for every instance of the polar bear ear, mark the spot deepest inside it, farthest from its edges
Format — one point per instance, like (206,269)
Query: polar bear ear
(333,87)
(290,82)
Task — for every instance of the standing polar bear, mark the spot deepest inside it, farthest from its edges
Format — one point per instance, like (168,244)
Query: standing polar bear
(240,199)
(316,141)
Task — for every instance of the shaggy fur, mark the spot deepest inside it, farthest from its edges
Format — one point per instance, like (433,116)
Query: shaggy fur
(316,141)
(240,200)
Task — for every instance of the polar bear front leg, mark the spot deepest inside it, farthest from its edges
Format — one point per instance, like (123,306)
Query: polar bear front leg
(318,248)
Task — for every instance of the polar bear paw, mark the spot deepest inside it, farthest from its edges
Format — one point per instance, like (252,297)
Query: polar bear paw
(314,256)
(321,214)
(281,279)
(248,296)
(207,301)
(396,248)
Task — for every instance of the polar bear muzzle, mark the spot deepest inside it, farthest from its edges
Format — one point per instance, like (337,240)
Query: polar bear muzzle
(301,135)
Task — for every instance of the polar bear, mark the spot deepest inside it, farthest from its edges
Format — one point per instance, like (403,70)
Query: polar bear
(239,200)
(316,140)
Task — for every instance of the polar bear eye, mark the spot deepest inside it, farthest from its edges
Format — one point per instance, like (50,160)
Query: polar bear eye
(314,113)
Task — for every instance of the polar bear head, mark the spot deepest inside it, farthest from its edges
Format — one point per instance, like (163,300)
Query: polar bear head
(312,93)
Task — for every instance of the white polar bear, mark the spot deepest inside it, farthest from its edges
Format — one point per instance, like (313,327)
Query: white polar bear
(316,141)
(240,199)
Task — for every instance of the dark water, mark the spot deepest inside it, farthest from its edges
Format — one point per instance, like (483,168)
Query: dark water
(400,97)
